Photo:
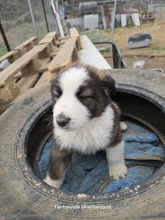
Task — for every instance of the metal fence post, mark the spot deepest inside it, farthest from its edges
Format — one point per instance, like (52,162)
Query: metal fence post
(46,20)
(113,23)
(32,16)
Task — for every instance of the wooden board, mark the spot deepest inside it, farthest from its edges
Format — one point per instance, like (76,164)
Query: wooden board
(35,68)
(15,67)
(47,41)
(33,40)
(26,45)
(49,38)
(44,78)
(27,82)
(11,56)
(66,55)
(75,33)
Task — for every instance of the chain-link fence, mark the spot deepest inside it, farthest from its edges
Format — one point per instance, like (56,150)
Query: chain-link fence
(22,19)
(18,23)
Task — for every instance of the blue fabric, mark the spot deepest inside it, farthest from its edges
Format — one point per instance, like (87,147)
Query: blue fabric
(44,159)
(86,173)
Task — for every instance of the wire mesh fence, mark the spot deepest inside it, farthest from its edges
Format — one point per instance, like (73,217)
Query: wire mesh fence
(17,22)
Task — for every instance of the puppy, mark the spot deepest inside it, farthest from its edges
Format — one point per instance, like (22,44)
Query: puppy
(85,120)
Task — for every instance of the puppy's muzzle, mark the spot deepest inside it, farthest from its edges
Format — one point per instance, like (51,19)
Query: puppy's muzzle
(62,120)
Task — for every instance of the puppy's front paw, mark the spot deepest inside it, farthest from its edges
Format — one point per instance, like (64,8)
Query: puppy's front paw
(123,126)
(54,183)
(117,171)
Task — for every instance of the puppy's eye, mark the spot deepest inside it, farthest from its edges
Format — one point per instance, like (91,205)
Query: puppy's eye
(85,94)
(82,96)
(56,93)
(85,97)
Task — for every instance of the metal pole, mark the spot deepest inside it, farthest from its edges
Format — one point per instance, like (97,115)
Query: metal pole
(54,20)
(4,37)
(57,19)
(46,21)
(32,16)
(113,23)
(151,6)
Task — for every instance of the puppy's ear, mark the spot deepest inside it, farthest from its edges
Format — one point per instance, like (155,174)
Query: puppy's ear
(109,85)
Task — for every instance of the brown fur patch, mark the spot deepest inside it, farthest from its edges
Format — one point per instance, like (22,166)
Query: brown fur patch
(58,163)
(116,132)
(96,71)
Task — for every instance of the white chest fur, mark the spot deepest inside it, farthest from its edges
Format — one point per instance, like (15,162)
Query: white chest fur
(94,136)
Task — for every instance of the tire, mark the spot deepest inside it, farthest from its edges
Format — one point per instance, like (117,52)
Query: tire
(25,196)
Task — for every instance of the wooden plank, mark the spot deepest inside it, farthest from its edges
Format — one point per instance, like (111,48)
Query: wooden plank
(55,52)
(49,38)
(26,45)
(66,55)
(18,75)
(8,92)
(31,67)
(27,82)
(19,50)
(26,85)
(30,70)
(43,68)
(52,40)
(75,33)
(44,65)
(9,72)
(45,78)
(59,43)
(63,38)
(51,34)
(32,40)
(50,44)
(47,41)
(11,56)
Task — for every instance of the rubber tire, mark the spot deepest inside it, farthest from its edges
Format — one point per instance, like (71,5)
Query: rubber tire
(25,196)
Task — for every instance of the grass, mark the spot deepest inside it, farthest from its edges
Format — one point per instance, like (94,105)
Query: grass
(108,31)
(2,50)
(131,56)
(157,48)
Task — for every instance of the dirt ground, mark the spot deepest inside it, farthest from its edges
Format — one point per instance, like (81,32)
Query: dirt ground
(153,56)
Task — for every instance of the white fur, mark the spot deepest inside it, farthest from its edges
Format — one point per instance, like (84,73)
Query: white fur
(68,104)
(90,138)
(123,126)
(115,157)
(54,183)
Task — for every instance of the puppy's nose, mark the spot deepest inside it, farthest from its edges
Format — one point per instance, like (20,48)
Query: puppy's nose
(62,120)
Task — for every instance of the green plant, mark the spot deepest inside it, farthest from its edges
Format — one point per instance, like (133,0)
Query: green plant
(108,31)
(155,47)
(2,52)
(2,49)
(130,55)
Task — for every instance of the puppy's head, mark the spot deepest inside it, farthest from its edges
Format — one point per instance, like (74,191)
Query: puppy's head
(80,93)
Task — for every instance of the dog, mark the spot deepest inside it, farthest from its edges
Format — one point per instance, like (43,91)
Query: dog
(85,120)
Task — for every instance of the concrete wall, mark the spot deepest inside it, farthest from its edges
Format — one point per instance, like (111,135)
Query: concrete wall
(75,22)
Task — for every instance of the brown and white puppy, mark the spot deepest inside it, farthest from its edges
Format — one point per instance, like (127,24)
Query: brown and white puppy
(85,120)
